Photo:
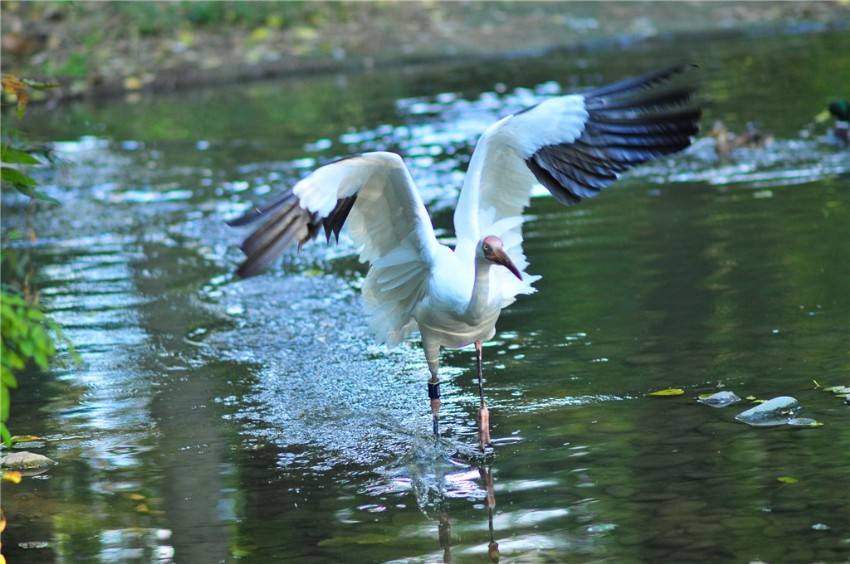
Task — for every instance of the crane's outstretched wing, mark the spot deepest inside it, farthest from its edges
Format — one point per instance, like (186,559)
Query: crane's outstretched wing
(574,146)
(386,217)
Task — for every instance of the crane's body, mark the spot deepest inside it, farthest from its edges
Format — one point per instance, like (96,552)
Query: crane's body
(574,145)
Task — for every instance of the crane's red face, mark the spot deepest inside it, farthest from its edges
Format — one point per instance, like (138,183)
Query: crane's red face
(492,250)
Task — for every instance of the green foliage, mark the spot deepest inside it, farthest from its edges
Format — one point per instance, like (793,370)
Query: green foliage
(12,158)
(16,178)
(28,340)
(28,335)
(158,18)
(77,64)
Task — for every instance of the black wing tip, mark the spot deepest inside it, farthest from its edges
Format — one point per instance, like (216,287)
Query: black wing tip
(245,271)
(245,219)
(643,82)
(260,212)
(629,123)
(281,219)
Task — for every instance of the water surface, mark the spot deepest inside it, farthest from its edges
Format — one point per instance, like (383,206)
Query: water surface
(215,419)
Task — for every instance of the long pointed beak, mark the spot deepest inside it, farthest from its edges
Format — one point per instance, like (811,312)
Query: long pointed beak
(499,257)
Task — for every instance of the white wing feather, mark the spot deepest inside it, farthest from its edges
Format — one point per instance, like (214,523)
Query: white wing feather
(390,224)
(498,183)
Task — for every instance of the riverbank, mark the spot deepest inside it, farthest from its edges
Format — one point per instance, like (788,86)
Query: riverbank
(98,49)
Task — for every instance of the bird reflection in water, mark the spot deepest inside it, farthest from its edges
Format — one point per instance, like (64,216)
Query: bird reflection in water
(444,525)
(440,474)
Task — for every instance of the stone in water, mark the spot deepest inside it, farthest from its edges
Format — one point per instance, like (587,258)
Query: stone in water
(777,411)
(720,399)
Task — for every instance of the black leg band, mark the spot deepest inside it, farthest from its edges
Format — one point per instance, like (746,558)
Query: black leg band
(434,390)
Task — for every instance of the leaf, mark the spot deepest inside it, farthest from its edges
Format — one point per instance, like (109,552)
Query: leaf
(25,438)
(787,480)
(14,360)
(27,347)
(16,156)
(5,404)
(5,435)
(12,476)
(38,195)
(16,177)
(41,359)
(7,378)
(668,392)
(35,314)
(13,85)
(822,117)
(38,85)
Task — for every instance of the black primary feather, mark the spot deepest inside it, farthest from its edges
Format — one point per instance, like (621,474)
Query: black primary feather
(285,222)
(629,123)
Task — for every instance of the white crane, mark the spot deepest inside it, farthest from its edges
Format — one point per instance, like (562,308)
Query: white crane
(573,145)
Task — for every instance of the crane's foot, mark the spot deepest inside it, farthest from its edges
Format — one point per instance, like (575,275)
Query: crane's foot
(434,394)
(483,427)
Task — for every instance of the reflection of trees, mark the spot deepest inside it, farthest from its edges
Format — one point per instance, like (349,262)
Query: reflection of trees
(197,473)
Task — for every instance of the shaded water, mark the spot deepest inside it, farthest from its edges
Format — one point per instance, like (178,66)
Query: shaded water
(216,419)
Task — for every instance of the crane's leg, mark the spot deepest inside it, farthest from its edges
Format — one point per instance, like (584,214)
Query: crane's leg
(483,412)
(434,392)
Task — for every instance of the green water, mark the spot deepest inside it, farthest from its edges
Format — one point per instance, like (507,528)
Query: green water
(214,419)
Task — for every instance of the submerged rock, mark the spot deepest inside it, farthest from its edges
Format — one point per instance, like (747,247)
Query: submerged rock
(25,460)
(777,411)
(720,399)
(804,422)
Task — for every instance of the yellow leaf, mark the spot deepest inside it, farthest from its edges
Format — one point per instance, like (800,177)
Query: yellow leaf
(132,83)
(136,497)
(274,21)
(13,85)
(12,476)
(259,35)
(787,480)
(186,37)
(668,392)
(142,508)
(25,438)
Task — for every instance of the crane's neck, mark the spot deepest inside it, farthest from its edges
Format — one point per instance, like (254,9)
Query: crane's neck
(479,303)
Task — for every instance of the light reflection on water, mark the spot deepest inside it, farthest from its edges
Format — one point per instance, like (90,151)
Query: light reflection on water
(214,418)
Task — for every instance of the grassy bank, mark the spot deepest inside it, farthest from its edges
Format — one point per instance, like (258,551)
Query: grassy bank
(103,48)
